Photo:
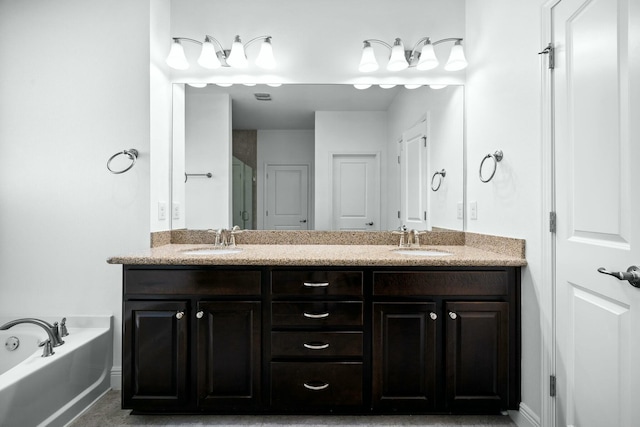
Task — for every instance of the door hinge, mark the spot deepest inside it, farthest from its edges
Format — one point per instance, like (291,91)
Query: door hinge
(552,222)
(552,386)
(398,159)
(267,213)
(425,215)
(398,214)
(424,139)
(549,50)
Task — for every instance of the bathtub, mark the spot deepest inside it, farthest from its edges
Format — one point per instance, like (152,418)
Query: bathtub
(51,391)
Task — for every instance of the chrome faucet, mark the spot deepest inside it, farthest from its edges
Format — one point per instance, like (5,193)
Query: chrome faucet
(235,230)
(404,236)
(416,237)
(48,345)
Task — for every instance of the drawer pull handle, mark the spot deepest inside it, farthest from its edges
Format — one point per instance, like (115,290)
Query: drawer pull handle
(315,316)
(313,346)
(316,285)
(200,314)
(179,315)
(433,316)
(316,387)
(452,315)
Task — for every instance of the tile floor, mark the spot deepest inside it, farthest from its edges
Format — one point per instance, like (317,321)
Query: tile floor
(106,412)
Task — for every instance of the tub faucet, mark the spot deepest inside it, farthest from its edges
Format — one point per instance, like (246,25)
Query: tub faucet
(48,344)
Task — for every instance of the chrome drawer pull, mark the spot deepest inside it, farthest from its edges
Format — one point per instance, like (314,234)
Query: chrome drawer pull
(316,387)
(315,316)
(312,346)
(316,285)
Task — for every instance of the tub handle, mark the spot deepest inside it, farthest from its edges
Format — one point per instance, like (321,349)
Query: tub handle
(47,349)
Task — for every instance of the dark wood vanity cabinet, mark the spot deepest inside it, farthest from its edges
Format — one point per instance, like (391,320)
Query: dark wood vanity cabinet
(319,340)
(192,339)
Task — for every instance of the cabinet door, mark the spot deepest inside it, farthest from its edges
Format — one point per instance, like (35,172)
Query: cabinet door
(477,356)
(228,349)
(404,355)
(154,368)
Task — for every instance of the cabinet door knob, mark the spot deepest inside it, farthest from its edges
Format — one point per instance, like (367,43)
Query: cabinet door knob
(453,315)
(316,346)
(316,387)
(179,315)
(200,314)
(315,316)
(315,285)
(433,316)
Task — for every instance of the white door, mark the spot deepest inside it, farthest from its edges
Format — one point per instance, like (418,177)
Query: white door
(356,192)
(597,146)
(287,197)
(414,209)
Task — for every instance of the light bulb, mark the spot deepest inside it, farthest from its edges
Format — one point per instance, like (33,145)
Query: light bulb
(386,86)
(176,58)
(249,84)
(428,60)
(224,84)
(208,57)
(197,85)
(362,86)
(436,87)
(237,57)
(397,61)
(456,60)
(412,86)
(265,57)
(274,84)
(368,61)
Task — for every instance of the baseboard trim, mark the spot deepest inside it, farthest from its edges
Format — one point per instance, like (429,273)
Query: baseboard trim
(116,377)
(525,417)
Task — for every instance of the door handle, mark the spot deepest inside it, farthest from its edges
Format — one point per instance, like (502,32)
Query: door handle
(369,223)
(303,221)
(632,275)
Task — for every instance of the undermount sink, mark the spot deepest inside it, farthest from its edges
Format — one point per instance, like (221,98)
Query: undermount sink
(420,252)
(212,251)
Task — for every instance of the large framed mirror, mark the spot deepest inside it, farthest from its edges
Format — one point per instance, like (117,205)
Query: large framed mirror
(321,157)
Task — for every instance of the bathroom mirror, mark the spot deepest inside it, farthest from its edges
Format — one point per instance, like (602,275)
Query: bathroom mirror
(322,157)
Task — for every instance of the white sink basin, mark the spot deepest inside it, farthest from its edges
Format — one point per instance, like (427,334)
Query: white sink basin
(420,252)
(212,251)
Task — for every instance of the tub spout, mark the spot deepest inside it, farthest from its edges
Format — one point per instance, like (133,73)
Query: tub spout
(51,342)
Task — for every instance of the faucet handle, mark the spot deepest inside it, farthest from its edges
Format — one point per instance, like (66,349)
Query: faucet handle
(235,230)
(63,327)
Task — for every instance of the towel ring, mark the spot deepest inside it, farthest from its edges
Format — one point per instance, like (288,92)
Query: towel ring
(442,174)
(497,156)
(132,154)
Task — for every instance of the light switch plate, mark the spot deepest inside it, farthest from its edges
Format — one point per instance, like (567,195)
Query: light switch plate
(162,211)
(175,210)
(473,210)
(460,210)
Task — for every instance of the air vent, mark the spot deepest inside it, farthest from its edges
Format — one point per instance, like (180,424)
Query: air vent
(262,96)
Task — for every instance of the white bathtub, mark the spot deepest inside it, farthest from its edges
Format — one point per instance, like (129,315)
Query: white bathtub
(51,391)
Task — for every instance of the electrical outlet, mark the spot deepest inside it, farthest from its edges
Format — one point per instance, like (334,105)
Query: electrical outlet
(473,210)
(460,210)
(162,211)
(175,210)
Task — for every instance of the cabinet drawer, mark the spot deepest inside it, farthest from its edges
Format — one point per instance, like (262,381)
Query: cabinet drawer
(316,344)
(317,384)
(321,313)
(200,282)
(316,283)
(428,283)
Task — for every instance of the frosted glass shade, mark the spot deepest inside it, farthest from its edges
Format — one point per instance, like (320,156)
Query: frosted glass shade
(456,60)
(368,61)
(397,61)
(208,57)
(237,57)
(362,86)
(387,85)
(265,57)
(176,58)
(428,60)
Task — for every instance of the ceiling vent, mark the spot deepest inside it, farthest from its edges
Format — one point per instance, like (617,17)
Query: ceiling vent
(262,96)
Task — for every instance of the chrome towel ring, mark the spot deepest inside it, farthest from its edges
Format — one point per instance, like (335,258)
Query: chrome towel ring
(442,174)
(497,156)
(132,154)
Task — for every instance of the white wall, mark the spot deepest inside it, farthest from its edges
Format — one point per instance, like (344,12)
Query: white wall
(503,96)
(75,89)
(444,110)
(346,132)
(208,150)
(284,147)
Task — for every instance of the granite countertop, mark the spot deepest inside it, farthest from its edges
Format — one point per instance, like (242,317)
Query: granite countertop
(322,255)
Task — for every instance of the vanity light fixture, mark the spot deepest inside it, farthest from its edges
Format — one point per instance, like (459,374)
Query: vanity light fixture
(213,55)
(412,86)
(362,86)
(438,86)
(386,85)
(425,59)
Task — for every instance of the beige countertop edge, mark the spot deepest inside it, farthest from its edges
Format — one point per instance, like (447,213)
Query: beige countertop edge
(320,255)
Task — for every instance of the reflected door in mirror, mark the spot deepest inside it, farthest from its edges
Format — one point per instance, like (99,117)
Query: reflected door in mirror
(287,201)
